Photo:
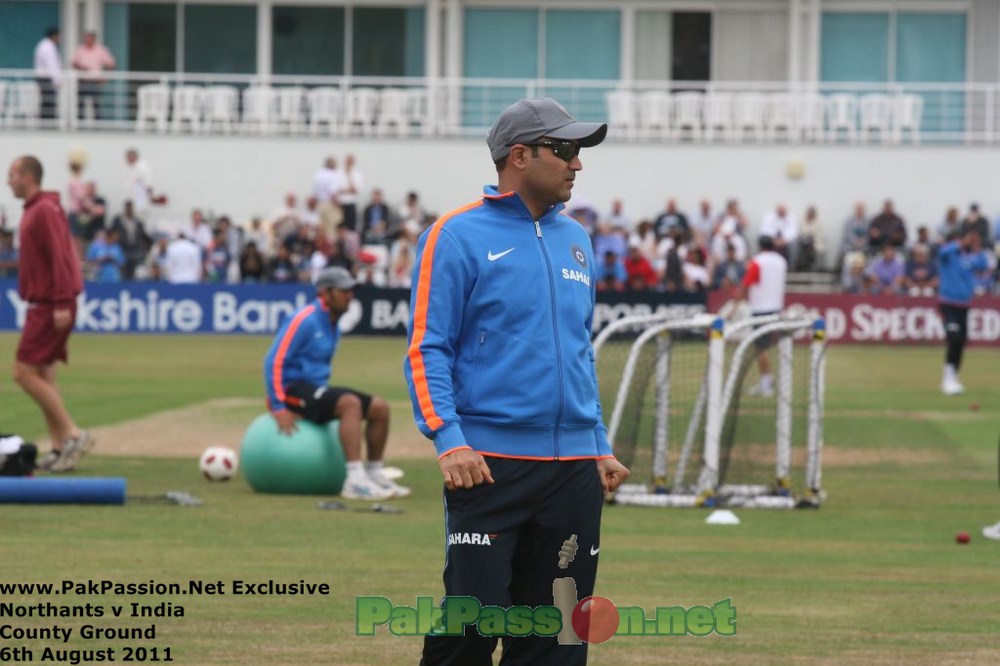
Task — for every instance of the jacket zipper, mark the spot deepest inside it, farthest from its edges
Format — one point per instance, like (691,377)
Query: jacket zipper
(555,332)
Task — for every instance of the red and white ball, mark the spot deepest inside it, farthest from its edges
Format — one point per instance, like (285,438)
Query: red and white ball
(218,463)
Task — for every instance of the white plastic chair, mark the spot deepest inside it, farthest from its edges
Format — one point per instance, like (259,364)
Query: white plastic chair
(221,107)
(687,114)
(842,114)
(326,105)
(718,115)
(259,108)
(876,116)
(25,103)
(153,104)
(187,103)
(291,108)
(782,113)
(361,109)
(811,109)
(654,113)
(419,110)
(394,110)
(907,114)
(622,113)
(749,112)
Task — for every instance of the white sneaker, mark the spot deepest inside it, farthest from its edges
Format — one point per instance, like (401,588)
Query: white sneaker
(952,387)
(365,489)
(992,532)
(382,481)
(759,391)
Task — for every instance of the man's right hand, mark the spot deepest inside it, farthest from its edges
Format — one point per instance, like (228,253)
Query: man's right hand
(464,469)
(286,419)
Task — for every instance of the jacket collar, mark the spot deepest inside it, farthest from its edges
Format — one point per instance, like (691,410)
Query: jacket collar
(512,204)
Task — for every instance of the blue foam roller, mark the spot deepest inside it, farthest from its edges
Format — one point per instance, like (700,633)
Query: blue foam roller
(99,490)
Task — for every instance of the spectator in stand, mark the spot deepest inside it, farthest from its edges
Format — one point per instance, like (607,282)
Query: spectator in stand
(401,268)
(281,268)
(853,280)
(671,267)
(733,215)
(8,254)
(233,235)
(320,257)
(217,257)
(924,238)
(617,217)
(259,236)
(94,211)
(950,228)
(48,73)
(76,191)
(887,226)
(91,59)
(200,231)
(580,209)
(286,219)
(352,183)
(300,243)
(809,252)
(670,219)
(377,219)
(155,263)
(644,237)
(184,262)
(105,258)
(920,278)
(135,241)
(854,237)
(975,221)
(729,272)
(252,268)
(349,242)
(782,227)
(885,272)
(311,215)
(411,211)
(703,222)
(696,275)
(138,183)
(727,235)
(641,275)
(327,187)
(610,239)
(610,273)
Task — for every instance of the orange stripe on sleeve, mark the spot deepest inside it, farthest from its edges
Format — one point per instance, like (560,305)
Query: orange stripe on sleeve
(416,357)
(286,341)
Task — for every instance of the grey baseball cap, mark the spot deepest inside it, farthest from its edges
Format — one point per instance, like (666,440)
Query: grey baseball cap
(532,119)
(337,278)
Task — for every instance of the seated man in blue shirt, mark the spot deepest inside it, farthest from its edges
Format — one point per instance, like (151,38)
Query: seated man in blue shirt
(296,374)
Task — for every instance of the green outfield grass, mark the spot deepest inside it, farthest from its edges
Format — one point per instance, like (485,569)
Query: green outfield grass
(874,577)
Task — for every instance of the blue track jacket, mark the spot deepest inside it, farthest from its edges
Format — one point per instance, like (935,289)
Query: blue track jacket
(956,271)
(499,356)
(302,351)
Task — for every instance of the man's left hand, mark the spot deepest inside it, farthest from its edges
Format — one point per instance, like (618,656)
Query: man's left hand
(62,319)
(612,473)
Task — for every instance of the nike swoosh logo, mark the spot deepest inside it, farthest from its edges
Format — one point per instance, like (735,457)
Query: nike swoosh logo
(494,257)
(595,551)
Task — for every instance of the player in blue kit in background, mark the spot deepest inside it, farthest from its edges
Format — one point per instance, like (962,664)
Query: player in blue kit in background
(958,262)
(296,374)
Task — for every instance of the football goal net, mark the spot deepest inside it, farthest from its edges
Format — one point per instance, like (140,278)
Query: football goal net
(710,413)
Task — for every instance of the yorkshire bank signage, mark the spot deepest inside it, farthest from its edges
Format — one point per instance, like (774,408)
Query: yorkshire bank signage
(888,319)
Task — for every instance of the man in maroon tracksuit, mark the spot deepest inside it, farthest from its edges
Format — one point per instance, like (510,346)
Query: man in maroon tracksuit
(49,280)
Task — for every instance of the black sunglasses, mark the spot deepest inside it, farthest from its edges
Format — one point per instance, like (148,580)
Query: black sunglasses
(564,150)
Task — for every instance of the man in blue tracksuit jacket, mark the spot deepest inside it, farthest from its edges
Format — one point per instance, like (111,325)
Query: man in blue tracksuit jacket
(501,375)
(958,262)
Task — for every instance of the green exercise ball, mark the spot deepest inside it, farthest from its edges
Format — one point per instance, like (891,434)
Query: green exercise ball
(309,462)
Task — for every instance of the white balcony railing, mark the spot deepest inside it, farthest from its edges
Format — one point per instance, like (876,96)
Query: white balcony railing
(713,111)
